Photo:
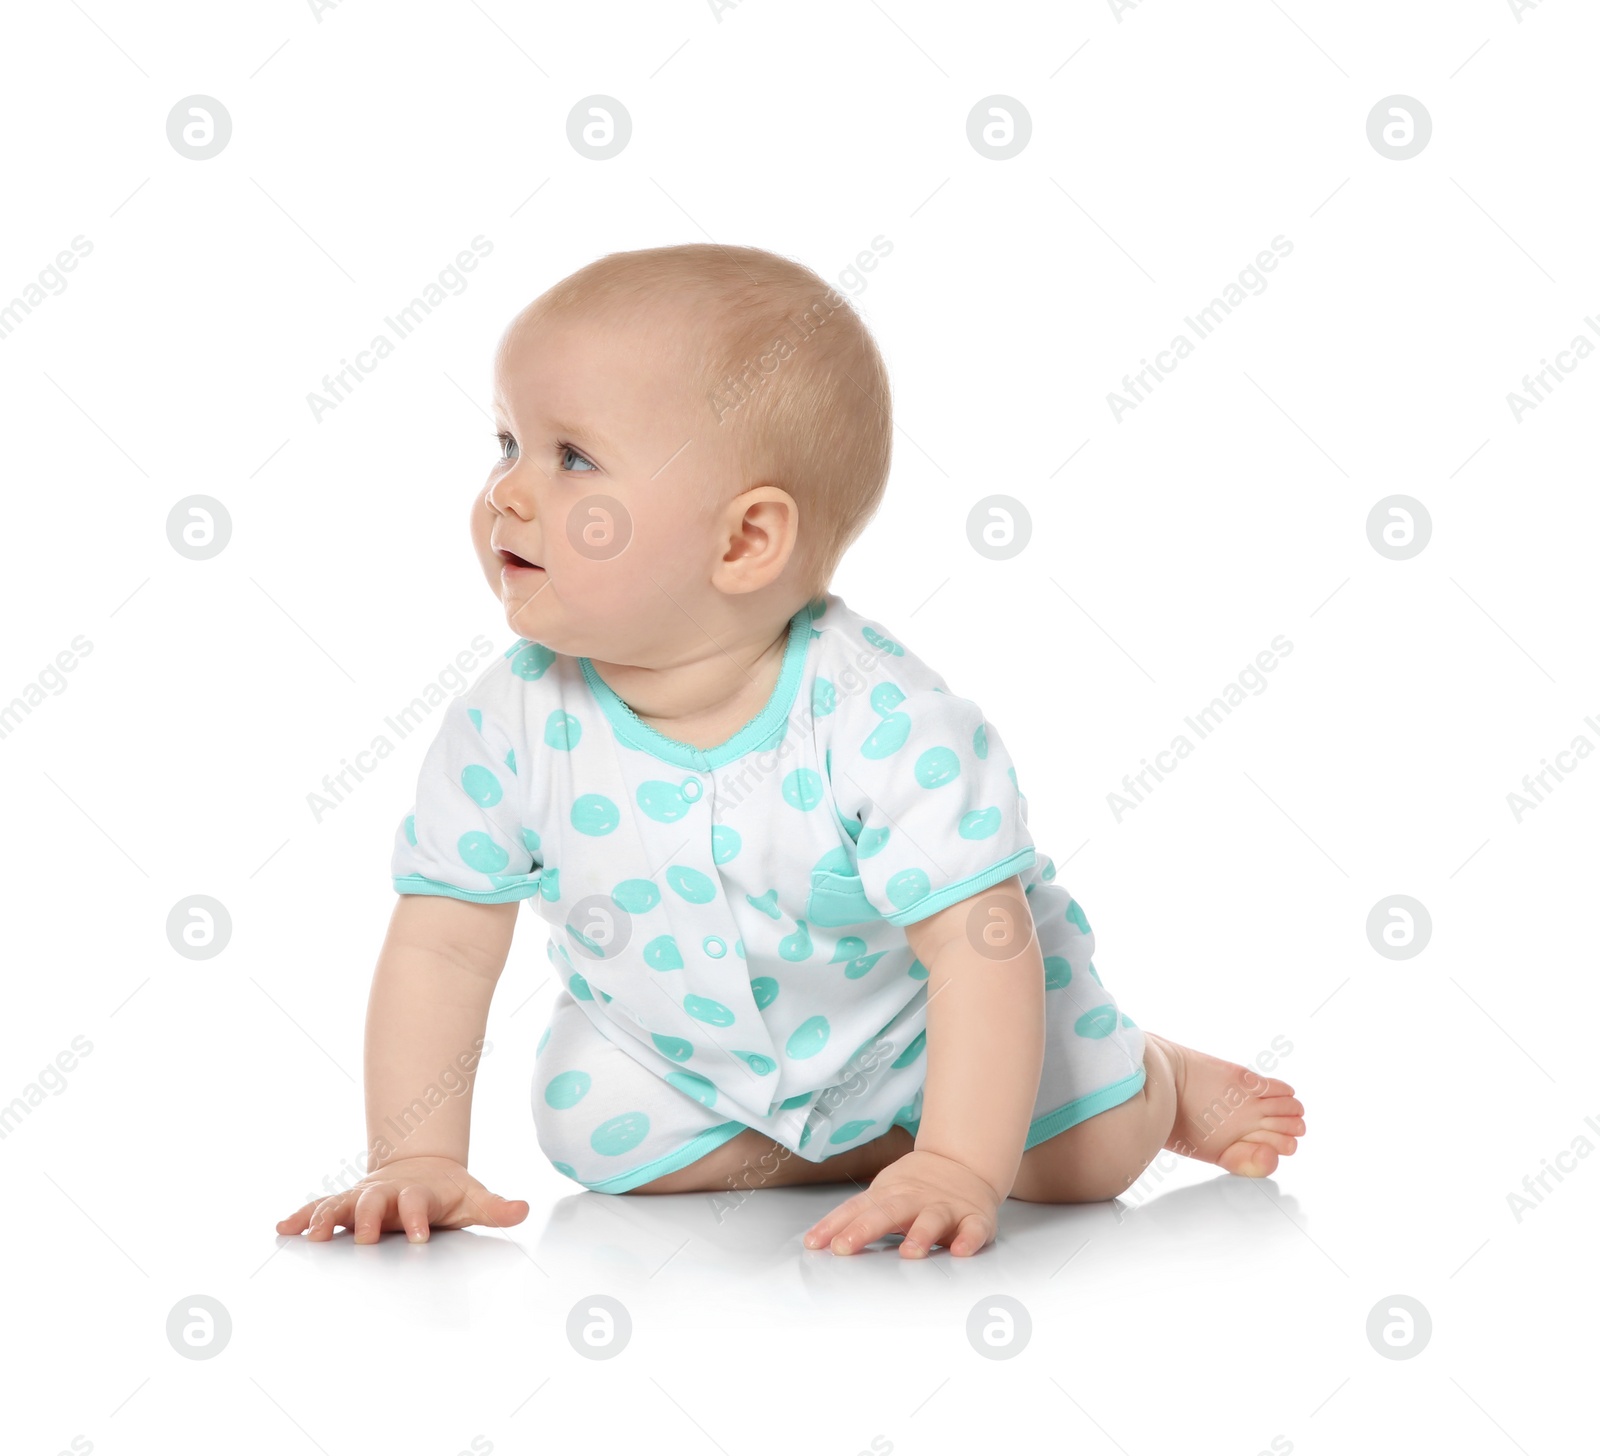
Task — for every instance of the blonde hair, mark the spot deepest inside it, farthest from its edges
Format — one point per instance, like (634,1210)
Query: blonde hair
(784,363)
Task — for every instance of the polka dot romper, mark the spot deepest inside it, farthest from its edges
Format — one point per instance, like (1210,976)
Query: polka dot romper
(728,923)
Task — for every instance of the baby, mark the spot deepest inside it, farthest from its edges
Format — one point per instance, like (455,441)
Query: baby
(801,929)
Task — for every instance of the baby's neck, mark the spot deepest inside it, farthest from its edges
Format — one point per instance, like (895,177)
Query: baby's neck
(706,698)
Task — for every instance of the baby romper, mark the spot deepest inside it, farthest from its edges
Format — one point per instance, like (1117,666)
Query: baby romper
(727,923)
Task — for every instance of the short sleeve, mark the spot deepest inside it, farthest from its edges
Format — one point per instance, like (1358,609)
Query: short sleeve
(464,836)
(936,796)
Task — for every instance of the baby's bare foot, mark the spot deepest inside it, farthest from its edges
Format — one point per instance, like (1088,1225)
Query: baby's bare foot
(1231,1115)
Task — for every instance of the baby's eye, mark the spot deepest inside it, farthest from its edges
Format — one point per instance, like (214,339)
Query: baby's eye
(567,452)
(508,446)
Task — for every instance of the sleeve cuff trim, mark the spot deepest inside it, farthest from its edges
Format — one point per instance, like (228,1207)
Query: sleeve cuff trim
(962,889)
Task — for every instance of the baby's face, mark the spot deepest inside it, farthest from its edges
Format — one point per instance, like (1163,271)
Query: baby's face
(606,453)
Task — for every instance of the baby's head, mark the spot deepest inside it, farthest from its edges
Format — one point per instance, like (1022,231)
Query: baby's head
(690,437)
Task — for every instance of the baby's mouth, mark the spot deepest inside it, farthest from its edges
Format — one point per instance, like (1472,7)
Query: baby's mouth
(510,558)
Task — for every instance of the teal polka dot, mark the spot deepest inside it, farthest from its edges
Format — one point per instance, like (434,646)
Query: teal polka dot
(662,801)
(477,718)
(1095,974)
(979,824)
(1049,870)
(1057,973)
(856,969)
(1077,917)
(1102,1021)
(530,661)
(594,814)
(882,643)
(888,737)
(620,1134)
(662,954)
(835,862)
(886,697)
(851,1130)
(530,841)
(790,1103)
(481,786)
(760,1065)
(543,1040)
(912,1052)
(511,759)
(765,991)
(703,1008)
(567,1170)
(767,904)
(725,843)
(809,1038)
(848,948)
(479,852)
(917,971)
(579,987)
(936,766)
(1129,1021)
(550,884)
(802,789)
(673,1046)
(695,887)
(411,829)
(805,1135)
(796,947)
(636,896)
(870,842)
(823,698)
(907,887)
(562,730)
(692,1084)
(980,740)
(567,1090)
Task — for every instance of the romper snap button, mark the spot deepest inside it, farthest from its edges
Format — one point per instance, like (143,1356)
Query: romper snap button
(714,946)
(690,789)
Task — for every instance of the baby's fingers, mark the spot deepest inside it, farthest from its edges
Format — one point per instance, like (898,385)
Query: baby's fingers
(331,1213)
(372,1209)
(941,1224)
(300,1220)
(823,1230)
(874,1218)
(417,1207)
(493,1211)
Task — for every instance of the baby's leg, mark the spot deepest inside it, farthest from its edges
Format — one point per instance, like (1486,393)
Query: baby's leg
(753,1160)
(1195,1104)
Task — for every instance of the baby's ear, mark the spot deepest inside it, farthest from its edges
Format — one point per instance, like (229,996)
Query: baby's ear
(761,529)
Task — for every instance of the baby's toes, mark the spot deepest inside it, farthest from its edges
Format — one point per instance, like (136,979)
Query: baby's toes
(1278,1107)
(1251,1159)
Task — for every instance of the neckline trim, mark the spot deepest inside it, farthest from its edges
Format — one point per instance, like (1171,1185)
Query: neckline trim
(767,725)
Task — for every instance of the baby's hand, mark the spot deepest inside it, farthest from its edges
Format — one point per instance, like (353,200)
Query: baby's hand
(931,1198)
(413,1194)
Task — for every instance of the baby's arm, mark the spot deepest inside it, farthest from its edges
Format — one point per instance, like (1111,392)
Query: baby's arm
(431,990)
(985,1049)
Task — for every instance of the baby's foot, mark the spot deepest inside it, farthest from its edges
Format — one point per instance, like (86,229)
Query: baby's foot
(1231,1115)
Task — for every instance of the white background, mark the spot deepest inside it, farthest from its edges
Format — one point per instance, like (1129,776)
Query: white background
(1170,144)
